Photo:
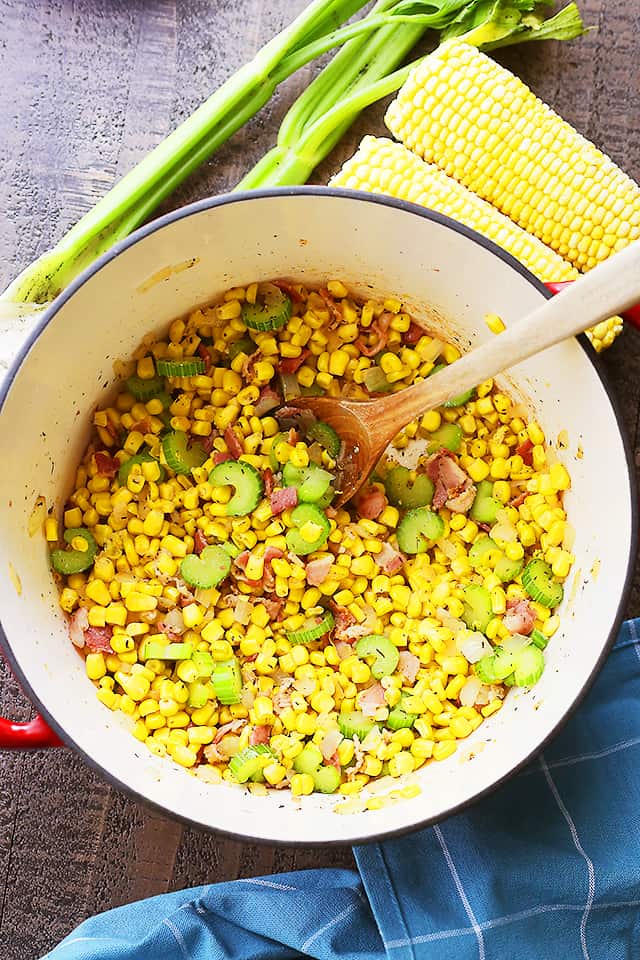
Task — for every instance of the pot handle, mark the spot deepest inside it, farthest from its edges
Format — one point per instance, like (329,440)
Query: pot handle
(632,315)
(27,736)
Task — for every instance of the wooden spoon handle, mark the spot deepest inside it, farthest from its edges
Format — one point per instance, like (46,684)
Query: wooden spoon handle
(608,289)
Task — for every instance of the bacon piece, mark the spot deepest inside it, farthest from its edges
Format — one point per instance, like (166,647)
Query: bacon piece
(207,442)
(408,666)
(98,639)
(268,400)
(142,426)
(519,500)
(267,479)
(335,311)
(288,287)
(343,649)
(221,457)
(413,334)
(107,466)
(370,699)
(232,727)
(346,628)
(520,616)
(389,560)
(283,499)
(525,450)
(204,354)
(281,700)
(273,607)
(371,503)
(259,734)
(317,570)
(452,485)
(233,443)
(292,364)
(199,542)
(78,623)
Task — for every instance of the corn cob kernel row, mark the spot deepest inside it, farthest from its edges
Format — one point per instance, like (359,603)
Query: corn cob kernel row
(382,166)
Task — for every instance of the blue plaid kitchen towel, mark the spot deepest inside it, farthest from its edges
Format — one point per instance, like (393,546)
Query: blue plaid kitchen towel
(547,868)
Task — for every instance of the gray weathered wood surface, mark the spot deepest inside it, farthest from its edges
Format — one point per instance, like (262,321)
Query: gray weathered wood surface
(88,86)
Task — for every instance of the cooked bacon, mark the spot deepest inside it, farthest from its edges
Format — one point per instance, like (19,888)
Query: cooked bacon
(413,334)
(283,499)
(214,755)
(525,450)
(232,727)
(370,699)
(381,329)
(344,619)
(317,570)
(207,443)
(241,559)
(335,311)
(259,734)
(199,542)
(233,443)
(388,559)
(520,616)
(343,649)
(107,466)
(267,479)
(281,700)
(268,400)
(371,502)
(292,364)
(463,501)
(78,623)
(204,354)
(273,607)
(519,500)
(98,639)
(288,287)
(142,426)
(408,666)
(452,485)
(346,628)
(221,457)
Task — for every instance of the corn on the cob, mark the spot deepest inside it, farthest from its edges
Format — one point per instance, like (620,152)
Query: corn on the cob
(382,166)
(482,125)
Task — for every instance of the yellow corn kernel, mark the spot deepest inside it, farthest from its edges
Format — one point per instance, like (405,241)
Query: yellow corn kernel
(97,591)
(108,698)
(51,529)
(185,756)
(192,615)
(422,749)
(95,666)
(346,752)
(494,323)
(338,362)
(444,749)
(491,708)
(68,600)
(550,626)
(401,763)
(214,631)
(274,773)
(301,784)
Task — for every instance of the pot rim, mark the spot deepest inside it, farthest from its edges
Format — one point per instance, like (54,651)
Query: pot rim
(209,203)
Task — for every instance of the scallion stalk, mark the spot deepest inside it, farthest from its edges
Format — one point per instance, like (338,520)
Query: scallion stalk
(327,108)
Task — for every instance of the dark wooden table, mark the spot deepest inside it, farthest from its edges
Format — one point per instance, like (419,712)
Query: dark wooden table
(88,86)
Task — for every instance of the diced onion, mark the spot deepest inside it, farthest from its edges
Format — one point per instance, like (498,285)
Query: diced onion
(474,646)
(242,611)
(330,743)
(449,549)
(470,691)
(306,686)
(172,621)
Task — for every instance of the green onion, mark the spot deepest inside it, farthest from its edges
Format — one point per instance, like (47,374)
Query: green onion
(367,68)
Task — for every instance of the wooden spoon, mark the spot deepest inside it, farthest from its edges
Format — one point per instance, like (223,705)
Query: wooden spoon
(366,427)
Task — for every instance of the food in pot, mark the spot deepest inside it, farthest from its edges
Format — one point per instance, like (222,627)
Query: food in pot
(251,631)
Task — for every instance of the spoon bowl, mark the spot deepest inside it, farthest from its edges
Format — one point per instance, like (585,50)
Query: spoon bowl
(366,427)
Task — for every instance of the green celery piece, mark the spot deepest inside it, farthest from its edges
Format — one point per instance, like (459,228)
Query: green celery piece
(130,201)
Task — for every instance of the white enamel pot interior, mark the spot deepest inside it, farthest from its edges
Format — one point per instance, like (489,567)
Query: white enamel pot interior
(449,277)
